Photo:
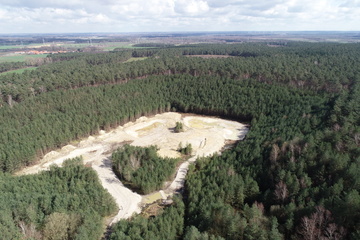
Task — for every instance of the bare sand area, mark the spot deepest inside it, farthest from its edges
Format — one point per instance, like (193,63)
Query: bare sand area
(207,135)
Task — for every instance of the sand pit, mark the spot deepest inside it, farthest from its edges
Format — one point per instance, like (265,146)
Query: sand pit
(207,135)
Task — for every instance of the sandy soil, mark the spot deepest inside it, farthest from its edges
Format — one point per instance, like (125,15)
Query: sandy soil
(207,136)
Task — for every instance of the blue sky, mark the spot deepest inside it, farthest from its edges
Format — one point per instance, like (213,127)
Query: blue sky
(53,16)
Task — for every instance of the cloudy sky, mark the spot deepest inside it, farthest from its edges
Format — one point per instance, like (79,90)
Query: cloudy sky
(53,16)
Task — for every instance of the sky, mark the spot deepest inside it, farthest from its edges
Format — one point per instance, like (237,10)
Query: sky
(79,16)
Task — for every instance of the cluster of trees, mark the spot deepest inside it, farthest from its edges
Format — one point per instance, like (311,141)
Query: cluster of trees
(63,203)
(29,62)
(186,150)
(168,225)
(295,175)
(8,66)
(142,169)
(93,58)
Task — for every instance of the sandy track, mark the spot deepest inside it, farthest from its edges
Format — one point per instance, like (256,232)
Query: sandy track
(207,136)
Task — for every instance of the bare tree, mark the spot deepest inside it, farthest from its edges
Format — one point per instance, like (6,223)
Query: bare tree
(308,228)
(274,153)
(29,231)
(281,192)
(320,226)
(357,138)
(135,162)
(32,90)
(284,147)
(10,101)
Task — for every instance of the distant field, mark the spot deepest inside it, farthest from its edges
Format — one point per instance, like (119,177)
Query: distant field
(76,45)
(106,46)
(20,58)
(19,70)
(112,45)
(9,46)
(33,45)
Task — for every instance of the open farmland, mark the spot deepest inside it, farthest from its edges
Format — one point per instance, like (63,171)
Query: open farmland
(20,57)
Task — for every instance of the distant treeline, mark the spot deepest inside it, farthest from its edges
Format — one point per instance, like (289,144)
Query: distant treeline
(47,39)
(300,65)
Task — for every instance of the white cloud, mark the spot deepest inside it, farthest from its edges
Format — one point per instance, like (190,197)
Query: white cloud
(191,7)
(100,18)
(173,15)
(350,4)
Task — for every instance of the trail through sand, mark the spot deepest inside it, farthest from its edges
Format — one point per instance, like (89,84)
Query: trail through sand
(207,135)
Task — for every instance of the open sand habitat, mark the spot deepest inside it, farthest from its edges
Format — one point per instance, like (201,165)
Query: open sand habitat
(207,135)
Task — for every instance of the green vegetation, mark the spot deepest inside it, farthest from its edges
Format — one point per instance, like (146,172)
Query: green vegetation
(295,176)
(168,225)
(179,127)
(153,45)
(21,58)
(135,59)
(113,45)
(141,168)
(9,46)
(66,203)
(19,71)
(8,66)
(21,45)
(187,150)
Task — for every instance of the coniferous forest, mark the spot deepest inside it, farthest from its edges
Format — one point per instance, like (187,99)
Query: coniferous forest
(294,176)
(141,169)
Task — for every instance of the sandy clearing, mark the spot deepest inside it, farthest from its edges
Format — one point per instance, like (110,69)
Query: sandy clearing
(207,135)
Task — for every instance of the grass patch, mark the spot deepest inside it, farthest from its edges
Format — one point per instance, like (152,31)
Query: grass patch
(10,46)
(150,127)
(20,57)
(111,46)
(152,198)
(133,59)
(19,70)
(25,46)
(197,123)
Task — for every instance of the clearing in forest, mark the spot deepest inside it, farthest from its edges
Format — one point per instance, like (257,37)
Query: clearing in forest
(207,135)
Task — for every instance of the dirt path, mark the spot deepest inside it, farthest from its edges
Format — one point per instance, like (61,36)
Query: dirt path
(207,135)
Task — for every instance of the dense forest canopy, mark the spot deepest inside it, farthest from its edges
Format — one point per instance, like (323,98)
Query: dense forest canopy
(295,176)
(63,203)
